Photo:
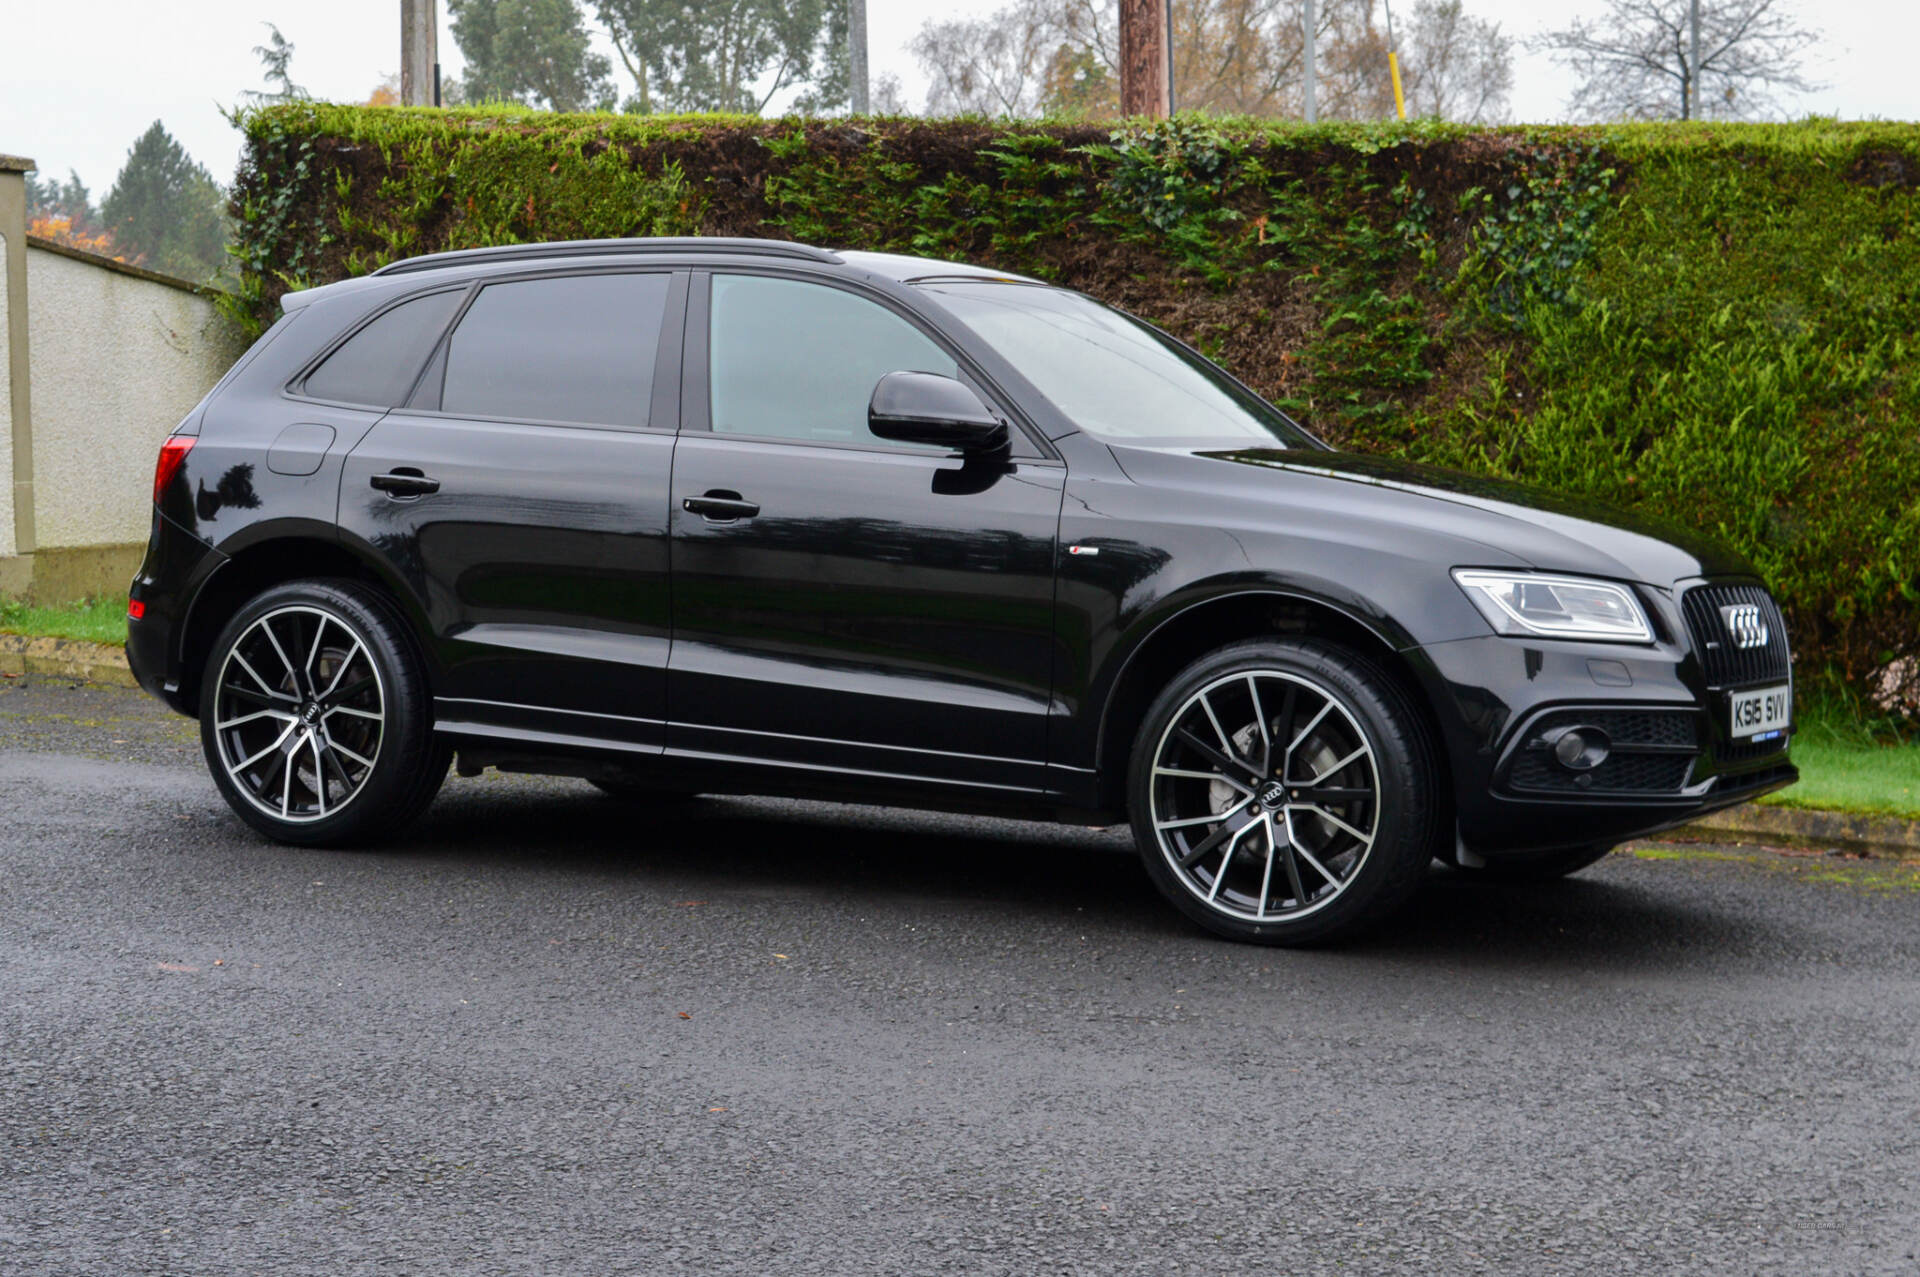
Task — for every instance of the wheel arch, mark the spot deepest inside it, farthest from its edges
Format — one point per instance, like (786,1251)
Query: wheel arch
(1187,633)
(266,556)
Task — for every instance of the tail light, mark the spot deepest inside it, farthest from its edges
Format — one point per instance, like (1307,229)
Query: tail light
(136,610)
(172,453)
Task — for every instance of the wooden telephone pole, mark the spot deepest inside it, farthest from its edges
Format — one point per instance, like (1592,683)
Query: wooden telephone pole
(1146,58)
(419,54)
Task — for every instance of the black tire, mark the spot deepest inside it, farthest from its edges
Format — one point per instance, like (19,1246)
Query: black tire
(1392,797)
(1534,867)
(340,666)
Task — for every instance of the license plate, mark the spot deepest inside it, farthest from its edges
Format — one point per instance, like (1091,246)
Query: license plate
(1760,714)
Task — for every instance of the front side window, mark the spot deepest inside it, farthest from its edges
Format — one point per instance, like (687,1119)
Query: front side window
(793,360)
(577,348)
(376,366)
(1110,374)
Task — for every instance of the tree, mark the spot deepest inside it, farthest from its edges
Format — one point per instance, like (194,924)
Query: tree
(719,55)
(1635,61)
(164,210)
(276,55)
(535,52)
(67,201)
(1458,67)
(1240,57)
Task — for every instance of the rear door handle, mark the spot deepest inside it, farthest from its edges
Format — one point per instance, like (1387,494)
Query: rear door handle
(720,505)
(404,481)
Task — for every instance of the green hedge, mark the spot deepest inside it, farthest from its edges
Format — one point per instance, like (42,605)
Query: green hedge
(1715,323)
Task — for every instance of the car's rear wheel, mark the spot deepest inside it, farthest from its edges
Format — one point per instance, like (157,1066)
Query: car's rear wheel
(1284,792)
(316,719)
(1537,866)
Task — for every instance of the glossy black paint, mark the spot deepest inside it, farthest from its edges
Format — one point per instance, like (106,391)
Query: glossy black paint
(886,622)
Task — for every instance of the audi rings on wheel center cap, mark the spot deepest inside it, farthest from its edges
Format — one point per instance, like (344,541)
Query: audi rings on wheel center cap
(1273,795)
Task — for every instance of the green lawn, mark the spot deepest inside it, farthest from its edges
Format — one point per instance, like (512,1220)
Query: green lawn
(1844,765)
(95,620)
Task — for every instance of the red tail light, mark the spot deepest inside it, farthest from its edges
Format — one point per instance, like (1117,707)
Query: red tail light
(136,610)
(172,453)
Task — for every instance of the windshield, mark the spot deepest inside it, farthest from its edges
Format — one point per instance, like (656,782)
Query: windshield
(1112,375)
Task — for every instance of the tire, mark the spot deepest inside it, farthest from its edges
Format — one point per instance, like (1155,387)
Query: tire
(1535,867)
(316,719)
(1236,838)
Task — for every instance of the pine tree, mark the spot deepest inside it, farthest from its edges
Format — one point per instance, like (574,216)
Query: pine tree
(164,210)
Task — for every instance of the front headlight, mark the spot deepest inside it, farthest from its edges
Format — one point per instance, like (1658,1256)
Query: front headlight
(1567,607)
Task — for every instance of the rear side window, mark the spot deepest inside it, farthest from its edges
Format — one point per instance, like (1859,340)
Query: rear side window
(793,360)
(579,348)
(377,365)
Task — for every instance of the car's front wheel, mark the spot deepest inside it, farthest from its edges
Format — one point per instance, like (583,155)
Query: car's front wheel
(316,719)
(1284,792)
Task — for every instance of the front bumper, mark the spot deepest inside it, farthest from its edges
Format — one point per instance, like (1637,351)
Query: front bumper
(1500,700)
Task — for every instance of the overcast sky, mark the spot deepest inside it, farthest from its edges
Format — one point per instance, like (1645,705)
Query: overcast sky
(80,85)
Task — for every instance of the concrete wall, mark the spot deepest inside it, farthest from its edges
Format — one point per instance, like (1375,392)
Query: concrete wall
(98,361)
(117,360)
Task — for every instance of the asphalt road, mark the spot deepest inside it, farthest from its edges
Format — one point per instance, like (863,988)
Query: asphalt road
(551,1034)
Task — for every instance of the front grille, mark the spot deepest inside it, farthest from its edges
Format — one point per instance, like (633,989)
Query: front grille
(1725,664)
(1652,753)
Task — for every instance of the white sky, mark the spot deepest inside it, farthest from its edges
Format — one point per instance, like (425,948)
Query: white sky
(79,85)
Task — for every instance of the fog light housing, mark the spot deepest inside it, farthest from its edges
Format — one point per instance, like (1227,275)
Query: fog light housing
(1580,749)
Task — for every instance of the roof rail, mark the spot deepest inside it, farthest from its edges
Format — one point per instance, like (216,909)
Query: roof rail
(608,248)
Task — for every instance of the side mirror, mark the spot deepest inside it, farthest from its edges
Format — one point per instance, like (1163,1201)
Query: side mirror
(924,407)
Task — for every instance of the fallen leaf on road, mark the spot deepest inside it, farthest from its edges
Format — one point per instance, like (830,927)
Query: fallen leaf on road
(716,1110)
(685,1016)
(781,956)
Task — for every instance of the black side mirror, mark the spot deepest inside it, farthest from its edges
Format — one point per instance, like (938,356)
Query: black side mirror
(924,407)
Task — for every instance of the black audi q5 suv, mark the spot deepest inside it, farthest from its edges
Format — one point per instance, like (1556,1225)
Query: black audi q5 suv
(736,516)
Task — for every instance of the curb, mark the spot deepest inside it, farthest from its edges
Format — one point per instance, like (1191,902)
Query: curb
(65,658)
(1793,827)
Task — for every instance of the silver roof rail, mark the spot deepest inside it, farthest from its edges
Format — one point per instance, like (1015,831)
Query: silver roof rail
(609,248)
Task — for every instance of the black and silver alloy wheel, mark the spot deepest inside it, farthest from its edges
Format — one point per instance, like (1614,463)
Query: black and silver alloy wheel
(1283,791)
(315,716)
(300,710)
(1274,816)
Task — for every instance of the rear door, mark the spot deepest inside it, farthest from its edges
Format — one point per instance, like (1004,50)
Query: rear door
(843,603)
(522,494)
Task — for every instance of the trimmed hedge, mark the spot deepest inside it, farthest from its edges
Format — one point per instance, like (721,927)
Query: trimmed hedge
(1713,322)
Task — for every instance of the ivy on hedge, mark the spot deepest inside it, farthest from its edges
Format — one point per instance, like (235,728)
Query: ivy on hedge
(1712,322)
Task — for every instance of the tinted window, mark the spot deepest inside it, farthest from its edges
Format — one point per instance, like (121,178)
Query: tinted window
(799,361)
(578,348)
(377,365)
(1110,374)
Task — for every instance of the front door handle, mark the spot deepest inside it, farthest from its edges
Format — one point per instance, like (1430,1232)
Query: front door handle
(720,505)
(404,481)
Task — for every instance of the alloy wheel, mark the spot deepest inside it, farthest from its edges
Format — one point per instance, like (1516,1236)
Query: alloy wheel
(1265,796)
(300,713)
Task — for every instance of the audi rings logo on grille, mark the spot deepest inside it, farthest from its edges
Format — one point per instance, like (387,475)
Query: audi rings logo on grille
(1745,626)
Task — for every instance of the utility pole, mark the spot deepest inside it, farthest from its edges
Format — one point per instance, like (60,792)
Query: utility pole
(1692,109)
(1313,105)
(857,55)
(1146,79)
(1393,64)
(419,54)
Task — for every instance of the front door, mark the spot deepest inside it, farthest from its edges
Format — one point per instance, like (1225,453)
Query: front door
(843,603)
(522,494)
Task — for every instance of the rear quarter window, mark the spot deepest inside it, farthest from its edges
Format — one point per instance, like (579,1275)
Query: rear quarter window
(376,366)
